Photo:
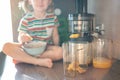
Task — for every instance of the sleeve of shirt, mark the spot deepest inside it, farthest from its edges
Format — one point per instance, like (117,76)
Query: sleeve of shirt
(56,21)
(23,25)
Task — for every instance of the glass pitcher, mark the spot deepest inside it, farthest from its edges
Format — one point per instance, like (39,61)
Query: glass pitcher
(102,53)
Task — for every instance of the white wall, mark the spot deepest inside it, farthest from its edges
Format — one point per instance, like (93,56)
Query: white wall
(108,13)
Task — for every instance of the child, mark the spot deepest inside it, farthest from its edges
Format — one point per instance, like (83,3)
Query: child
(39,23)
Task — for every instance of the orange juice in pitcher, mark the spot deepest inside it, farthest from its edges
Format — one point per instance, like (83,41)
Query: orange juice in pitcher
(102,54)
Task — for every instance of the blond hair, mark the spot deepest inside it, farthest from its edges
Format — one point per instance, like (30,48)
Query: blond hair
(26,7)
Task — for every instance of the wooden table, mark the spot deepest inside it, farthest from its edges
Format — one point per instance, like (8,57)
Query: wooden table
(24,71)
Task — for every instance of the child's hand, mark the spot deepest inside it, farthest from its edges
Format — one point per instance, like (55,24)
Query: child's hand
(26,38)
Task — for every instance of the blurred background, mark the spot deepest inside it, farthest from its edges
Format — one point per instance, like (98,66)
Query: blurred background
(106,12)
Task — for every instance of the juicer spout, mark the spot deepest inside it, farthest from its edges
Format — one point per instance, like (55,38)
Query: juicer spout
(99,31)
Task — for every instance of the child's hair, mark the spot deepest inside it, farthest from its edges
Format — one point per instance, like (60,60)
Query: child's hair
(24,4)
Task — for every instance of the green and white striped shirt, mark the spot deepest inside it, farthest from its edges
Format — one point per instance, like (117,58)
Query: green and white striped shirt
(39,28)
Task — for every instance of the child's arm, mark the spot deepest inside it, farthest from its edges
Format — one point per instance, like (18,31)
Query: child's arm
(55,36)
(24,37)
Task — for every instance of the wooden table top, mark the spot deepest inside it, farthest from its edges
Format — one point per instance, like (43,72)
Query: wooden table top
(24,71)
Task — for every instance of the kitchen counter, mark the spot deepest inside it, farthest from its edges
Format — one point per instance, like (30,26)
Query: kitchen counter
(24,71)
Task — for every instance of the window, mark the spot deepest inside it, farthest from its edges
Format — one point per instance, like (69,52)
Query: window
(5,22)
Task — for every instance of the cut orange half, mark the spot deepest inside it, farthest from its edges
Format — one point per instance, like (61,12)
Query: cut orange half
(74,35)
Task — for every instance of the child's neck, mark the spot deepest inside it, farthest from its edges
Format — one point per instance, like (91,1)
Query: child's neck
(40,15)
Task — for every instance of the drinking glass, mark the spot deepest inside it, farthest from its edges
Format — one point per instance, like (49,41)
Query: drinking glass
(68,60)
(75,58)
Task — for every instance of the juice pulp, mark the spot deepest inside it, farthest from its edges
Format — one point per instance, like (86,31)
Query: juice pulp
(101,62)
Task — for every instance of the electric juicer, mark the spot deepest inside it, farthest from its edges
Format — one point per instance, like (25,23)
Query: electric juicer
(81,28)
(77,52)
